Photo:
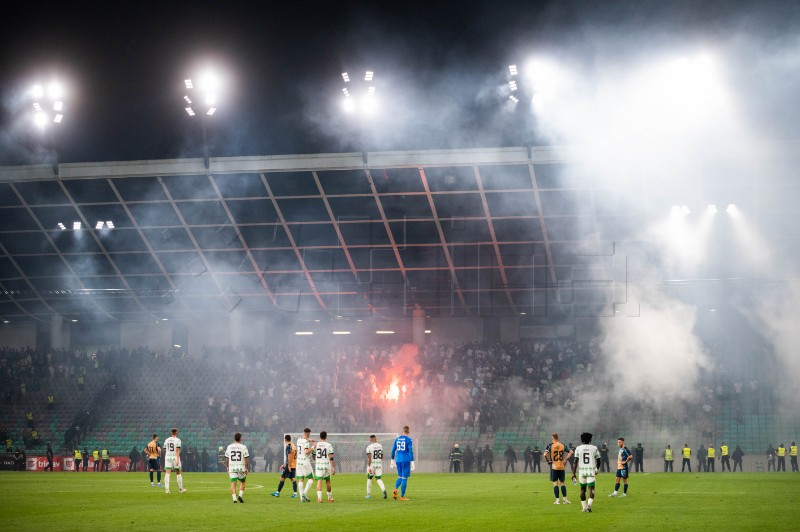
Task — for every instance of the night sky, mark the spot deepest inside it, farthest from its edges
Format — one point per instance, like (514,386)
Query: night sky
(439,67)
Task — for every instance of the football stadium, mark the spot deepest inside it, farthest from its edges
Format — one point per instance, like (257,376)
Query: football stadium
(449,266)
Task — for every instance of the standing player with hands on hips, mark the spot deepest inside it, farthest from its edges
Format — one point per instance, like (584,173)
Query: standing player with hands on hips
(557,456)
(403,459)
(586,457)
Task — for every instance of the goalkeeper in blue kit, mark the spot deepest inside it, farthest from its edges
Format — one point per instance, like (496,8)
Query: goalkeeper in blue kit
(403,458)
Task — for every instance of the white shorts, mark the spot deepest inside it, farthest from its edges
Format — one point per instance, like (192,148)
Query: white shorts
(172,462)
(377,470)
(322,471)
(237,475)
(304,469)
(586,480)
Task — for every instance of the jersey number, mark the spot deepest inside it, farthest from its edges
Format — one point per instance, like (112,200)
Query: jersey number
(558,456)
(236,456)
(377,454)
(401,445)
(322,453)
(171,447)
(586,459)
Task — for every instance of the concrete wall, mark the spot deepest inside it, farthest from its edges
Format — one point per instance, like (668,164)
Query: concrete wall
(156,335)
(17,335)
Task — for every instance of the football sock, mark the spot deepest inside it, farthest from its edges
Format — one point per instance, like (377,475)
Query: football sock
(280,485)
(166,481)
(625,488)
(159,476)
(616,487)
(403,485)
(151,477)
(308,487)
(319,495)
(300,486)
(369,487)
(583,504)
(555,491)
(589,502)
(233,496)
(180,482)
(294,486)
(241,492)
(563,491)
(398,482)
(330,495)
(380,484)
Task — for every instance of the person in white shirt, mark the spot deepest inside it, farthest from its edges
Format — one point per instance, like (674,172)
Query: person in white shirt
(325,467)
(374,465)
(584,469)
(237,460)
(172,460)
(305,470)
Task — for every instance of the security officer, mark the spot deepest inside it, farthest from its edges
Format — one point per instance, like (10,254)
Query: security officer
(724,456)
(106,460)
(78,458)
(711,454)
(638,458)
(687,458)
(96,459)
(781,458)
(668,459)
(793,457)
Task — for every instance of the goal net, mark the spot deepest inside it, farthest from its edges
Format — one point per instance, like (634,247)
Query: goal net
(350,448)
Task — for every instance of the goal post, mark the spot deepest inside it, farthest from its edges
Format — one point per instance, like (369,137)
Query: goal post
(350,448)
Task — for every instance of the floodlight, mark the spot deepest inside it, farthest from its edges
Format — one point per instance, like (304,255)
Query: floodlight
(303,333)
(368,75)
(39,119)
(731,208)
(345,77)
(349,105)
(58,105)
(188,84)
(98,225)
(110,224)
(58,118)
(341,332)
(712,209)
(37,107)
(371,91)
(512,70)
(211,111)
(512,85)
(62,226)
(685,209)
(55,90)
(189,111)
(188,100)
(384,332)
(37,91)
(76,226)
(513,98)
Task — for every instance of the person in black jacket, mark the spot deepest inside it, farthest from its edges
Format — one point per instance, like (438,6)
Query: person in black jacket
(134,458)
(528,456)
(488,459)
(49,454)
(455,459)
(511,457)
(737,455)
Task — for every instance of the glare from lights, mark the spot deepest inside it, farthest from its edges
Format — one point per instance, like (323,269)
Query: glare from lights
(349,105)
(303,333)
(76,226)
(62,226)
(685,210)
(37,107)
(51,98)
(512,85)
(512,70)
(98,225)
(188,100)
(58,118)
(110,224)
(37,91)
(74,321)
(58,106)
(368,75)
(345,77)
(712,310)
(164,319)
(712,209)
(40,120)
(384,332)
(513,98)
(207,87)
(189,111)
(427,331)
(211,111)
(188,83)
(371,91)
(341,332)
(731,208)
(177,345)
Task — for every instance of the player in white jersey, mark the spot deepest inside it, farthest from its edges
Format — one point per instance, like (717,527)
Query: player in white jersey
(172,460)
(237,459)
(324,468)
(374,465)
(584,468)
(305,469)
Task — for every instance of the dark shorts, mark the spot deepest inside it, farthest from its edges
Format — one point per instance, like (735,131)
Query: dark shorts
(152,463)
(557,475)
(289,473)
(622,473)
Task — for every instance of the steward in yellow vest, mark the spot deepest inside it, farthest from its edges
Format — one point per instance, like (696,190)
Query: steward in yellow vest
(668,459)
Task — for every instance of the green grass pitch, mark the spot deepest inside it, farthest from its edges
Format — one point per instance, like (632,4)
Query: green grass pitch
(125,501)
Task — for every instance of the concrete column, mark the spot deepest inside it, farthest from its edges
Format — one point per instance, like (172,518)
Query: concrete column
(58,336)
(418,326)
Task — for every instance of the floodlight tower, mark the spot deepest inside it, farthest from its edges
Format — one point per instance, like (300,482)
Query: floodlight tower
(200,100)
(518,92)
(47,102)
(360,100)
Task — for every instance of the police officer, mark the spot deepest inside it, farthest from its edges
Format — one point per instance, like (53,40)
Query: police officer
(724,456)
(668,459)
(793,456)
(537,459)
(604,465)
(687,458)
(49,465)
(638,457)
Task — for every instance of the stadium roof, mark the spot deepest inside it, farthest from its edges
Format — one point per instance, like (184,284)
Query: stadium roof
(498,231)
